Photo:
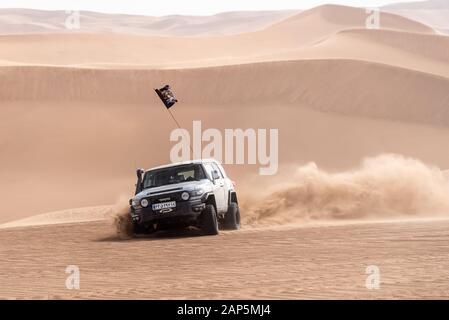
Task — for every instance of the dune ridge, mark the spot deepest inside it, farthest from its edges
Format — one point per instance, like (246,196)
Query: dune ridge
(89,49)
(58,88)
(420,97)
(22,21)
(75,215)
(415,51)
(435,47)
(434,13)
(351,17)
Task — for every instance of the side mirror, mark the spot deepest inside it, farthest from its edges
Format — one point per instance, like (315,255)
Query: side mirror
(139,173)
(215,175)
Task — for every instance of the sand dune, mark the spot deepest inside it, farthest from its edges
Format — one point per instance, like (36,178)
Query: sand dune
(22,21)
(432,47)
(343,17)
(427,54)
(413,96)
(434,13)
(79,116)
(158,52)
(417,5)
(77,215)
(85,154)
(418,52)
(93,127)
(437,19)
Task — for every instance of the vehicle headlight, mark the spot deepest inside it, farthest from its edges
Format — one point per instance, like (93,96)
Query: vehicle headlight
(144,203)
(134,202)
(185,196)
(197,192)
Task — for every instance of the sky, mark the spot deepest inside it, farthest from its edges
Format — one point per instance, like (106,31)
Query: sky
(184,7)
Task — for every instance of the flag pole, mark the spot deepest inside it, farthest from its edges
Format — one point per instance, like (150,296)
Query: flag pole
(178,125)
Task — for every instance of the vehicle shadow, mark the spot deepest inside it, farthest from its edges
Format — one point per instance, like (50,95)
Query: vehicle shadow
(159,235)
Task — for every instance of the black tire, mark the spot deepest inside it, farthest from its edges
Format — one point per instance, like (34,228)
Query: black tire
(209,222)
(137,228)
(142,229)
(231,219)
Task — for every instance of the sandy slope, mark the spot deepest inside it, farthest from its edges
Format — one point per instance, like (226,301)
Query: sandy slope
(77,215)
(434,13)
(437,18)
(156,52)
(73,137)
(23,21)
(95,169)
(91,127)
(276,263)
(425,53)
(413,96)
(78,116)
(416,51)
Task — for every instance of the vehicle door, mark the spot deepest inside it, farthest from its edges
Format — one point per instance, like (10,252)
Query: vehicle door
(219,188)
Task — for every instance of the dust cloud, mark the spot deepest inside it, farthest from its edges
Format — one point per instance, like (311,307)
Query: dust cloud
(386,186)
(121,218)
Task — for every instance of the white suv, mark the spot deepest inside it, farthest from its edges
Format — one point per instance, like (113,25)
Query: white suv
(194,193)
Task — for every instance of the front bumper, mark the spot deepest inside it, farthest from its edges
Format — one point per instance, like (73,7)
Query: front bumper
(186,212)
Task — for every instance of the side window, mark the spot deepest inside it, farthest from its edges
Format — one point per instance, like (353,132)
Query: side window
(222,170)
(209,170)
(217,169)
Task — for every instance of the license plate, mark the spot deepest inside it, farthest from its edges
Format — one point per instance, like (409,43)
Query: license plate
(164,205)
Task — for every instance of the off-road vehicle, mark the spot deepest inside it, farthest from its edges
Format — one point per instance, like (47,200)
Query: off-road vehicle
(195,193)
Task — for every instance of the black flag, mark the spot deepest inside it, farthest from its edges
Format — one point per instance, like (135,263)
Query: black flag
(167,96)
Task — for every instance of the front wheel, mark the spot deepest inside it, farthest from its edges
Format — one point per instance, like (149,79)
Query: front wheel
(231,219)
(209,222)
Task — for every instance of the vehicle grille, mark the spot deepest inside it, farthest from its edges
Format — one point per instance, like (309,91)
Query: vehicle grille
(165,197)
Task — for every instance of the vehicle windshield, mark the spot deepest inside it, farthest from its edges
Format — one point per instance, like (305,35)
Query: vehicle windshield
(173,175)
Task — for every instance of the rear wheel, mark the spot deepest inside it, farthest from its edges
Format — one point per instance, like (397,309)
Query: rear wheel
(209,222)
(231,219)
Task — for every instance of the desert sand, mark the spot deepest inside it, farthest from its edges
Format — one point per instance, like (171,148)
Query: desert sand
(434,13)
(284,263)
(79,116)
(29,21)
